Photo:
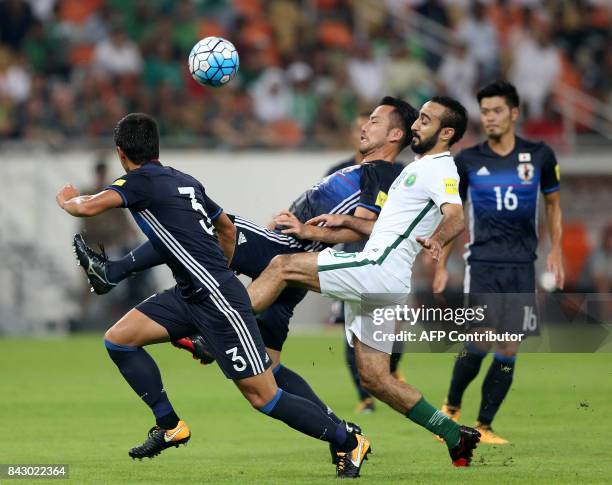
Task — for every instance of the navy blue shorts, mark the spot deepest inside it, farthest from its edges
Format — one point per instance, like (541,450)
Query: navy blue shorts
(508,291)
(224,318)
(255,248)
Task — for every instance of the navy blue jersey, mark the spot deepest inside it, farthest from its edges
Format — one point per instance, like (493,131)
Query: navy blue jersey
(174,212)
(349,162)
(504,192)
(364,185)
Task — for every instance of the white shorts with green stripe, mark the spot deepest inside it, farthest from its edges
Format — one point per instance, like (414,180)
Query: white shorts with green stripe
(366,287)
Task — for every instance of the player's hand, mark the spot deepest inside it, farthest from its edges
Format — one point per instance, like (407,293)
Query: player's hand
(328,220)
(291,224)
(554,264)
(66,193)
(432,246)
(440,279)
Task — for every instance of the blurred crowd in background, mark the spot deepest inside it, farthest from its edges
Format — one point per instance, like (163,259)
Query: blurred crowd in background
(69,69)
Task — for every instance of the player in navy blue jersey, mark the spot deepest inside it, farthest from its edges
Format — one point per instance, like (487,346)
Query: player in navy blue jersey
(196,239)
(359,190)
(501,179)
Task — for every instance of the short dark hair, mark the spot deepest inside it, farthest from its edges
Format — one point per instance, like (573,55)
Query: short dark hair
(403,116)
(500,88)
(137,135)
(455,117)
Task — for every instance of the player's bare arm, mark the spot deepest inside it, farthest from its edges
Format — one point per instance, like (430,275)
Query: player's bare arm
(335,229)
(554,221)
(450,227)
(338,228)
(77,205)
(226,232)
(440,278)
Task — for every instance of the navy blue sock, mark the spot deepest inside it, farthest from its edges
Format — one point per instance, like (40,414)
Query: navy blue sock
(306,417)
(139,259)
(394,361)
(349,353)
(495,387)
(141,372)
(467,366)
(291,382)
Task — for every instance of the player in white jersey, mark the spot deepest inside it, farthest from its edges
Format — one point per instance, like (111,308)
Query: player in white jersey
(423,210)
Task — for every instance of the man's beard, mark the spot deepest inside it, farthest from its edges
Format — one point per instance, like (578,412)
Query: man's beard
(426,144)
(494,136)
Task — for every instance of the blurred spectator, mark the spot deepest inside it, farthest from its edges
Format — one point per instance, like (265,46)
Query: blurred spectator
(365,73)
(271,96)
(160,68)
(15,81)
(304,103)
(458,76)
(482,43)
(535,85)
(598,271)
(16,18)
(407,76)
(117,55)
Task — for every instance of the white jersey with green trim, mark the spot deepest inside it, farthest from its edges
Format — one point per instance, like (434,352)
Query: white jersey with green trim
(413,209)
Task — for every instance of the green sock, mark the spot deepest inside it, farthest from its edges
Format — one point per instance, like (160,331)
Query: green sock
(435,421)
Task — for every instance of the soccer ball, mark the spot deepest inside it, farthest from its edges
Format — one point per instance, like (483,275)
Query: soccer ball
(213,61)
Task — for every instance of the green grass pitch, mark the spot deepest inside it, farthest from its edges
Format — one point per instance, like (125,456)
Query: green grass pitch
(63,401)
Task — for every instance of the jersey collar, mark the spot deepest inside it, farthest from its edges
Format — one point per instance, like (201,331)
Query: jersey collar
(486,149)
(432,157)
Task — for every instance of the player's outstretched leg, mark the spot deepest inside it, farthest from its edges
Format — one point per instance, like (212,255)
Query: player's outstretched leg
(373,367)
(104,274)
(306,417)
(124,343)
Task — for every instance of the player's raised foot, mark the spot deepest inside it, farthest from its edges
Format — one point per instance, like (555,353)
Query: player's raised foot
(488,436)
(453,412)
(197,347)
(94,265)
(365,406)
(461,455)
(399,376)
(349,463)
(351,428)
(159,439)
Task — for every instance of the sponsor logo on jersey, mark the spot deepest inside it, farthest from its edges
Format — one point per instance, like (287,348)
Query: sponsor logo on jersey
(524,157)
(410,180)
(525,171)
(241,239)
(451,186)
(381,199)
(483,171)
(119,182)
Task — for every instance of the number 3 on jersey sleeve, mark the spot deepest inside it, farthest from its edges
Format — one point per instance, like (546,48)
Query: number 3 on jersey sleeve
(205,223)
